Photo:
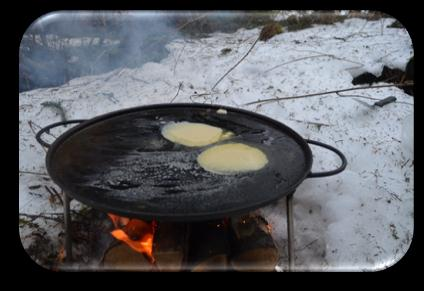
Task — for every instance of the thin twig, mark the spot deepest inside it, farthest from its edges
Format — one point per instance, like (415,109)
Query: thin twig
(137,79)
(359,96)
(392,52)
(39,127)
(116,73)
(311,122)
(296,60)
(96,60)
(179,87)
(330,92)
(200,95)
(33,173)
(178,58)
(370,98)
(310,57)
(404,164)
(54,193)
(191,21)
(35,134)
(344,38)
(308,245)
(333,56)
(233,67)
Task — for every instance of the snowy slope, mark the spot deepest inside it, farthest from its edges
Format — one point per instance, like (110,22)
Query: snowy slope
(361,219)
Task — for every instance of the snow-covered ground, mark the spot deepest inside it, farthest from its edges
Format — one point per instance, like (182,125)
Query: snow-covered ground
(361,219)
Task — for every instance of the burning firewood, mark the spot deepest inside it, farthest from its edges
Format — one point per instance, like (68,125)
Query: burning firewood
(137,234)
(121,257)
(253,248)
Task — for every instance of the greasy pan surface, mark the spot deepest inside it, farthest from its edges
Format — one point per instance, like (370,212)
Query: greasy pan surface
(120,163)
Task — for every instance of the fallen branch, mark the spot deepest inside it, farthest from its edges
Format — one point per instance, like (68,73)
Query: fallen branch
(329,92)
(233,67)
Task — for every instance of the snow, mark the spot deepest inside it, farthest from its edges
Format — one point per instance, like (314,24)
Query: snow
(361,219)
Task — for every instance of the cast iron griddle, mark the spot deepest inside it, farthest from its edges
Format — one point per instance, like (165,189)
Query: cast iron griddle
(120,163)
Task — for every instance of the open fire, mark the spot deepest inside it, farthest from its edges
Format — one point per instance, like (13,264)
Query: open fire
(237,243)
(137,234)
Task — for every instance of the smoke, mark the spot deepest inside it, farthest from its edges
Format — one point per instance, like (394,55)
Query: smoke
(63,45)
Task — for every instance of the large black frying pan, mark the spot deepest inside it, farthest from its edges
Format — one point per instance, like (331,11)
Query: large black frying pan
(120,163)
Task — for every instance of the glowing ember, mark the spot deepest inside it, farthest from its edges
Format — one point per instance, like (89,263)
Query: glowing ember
(269,227)
(136,233)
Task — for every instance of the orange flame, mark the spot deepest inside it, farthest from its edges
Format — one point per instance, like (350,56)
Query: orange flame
(118,221)
(136,233)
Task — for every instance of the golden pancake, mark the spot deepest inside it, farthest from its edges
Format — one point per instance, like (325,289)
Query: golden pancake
(193,134)
(232,158)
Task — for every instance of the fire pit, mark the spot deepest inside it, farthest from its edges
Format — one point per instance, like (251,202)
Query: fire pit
(119,163)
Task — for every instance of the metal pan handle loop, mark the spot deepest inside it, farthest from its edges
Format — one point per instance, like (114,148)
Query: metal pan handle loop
(332,172)
(47,129)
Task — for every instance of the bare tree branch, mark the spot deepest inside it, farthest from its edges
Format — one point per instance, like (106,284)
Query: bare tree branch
(233,67)
(330,92)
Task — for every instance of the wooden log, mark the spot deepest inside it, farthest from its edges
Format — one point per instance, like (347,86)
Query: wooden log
(170,246)
(253,248)
(121,257)
(209,246)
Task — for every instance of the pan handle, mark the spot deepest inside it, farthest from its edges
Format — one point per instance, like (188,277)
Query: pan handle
(332,172)
(48,127)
